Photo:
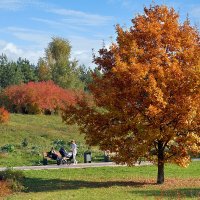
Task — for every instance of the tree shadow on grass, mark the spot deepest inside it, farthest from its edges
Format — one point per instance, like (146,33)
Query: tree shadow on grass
(178,193)
(45,185)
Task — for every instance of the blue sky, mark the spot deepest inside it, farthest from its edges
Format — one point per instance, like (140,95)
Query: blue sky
(27,26)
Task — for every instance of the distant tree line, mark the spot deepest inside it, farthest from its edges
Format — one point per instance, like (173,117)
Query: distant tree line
(55,66)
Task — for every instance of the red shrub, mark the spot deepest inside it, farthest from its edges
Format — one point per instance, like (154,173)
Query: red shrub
(4,115)
(40,97)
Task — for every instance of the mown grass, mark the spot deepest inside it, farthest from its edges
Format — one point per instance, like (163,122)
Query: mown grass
(40,131)
(113,183)
(89,183)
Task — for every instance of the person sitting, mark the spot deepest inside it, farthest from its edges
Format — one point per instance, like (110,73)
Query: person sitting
(53,154)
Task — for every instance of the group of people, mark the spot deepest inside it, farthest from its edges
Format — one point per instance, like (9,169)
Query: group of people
(54,155)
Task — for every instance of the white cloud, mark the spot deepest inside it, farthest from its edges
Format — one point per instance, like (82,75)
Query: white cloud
(68,24)
(82,18)
(37,41)
(83,49)
(15,5)
(47,21)
(10,4)
(13,52)
(9,48)
(84,57)
(2,43)
(12,49)
(59,24)
(30,35)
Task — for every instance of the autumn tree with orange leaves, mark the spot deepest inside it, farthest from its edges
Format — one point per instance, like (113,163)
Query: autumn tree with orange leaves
(147,101)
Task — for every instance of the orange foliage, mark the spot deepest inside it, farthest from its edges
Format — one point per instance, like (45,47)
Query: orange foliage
(4,115)
(38,97)
(148,97)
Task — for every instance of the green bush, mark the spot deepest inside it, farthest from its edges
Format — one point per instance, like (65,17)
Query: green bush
(8,148)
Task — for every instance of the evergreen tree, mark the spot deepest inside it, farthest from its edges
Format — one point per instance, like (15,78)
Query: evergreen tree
(27,70)
(10,74)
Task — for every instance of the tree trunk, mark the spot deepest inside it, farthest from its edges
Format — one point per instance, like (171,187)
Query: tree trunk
(160,177)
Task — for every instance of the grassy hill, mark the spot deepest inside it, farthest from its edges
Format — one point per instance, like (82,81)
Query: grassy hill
(25,137)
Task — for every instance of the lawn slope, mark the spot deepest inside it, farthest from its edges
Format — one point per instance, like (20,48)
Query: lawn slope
(25,137)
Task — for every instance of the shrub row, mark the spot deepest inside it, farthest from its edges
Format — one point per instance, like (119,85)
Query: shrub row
(36,97)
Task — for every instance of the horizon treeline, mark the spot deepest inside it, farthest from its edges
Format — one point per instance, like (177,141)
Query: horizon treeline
(56,66)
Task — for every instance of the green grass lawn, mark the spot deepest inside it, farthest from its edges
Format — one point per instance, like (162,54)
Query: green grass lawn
(115,183)
(40,131)
(112,183)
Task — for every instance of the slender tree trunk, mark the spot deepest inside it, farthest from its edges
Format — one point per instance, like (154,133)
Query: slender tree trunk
(160,177)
